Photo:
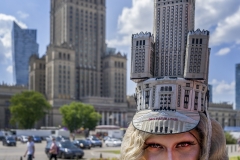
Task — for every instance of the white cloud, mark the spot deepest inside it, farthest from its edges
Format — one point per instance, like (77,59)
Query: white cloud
(22,15)
(9,69)
(228,30)
(5,35)
(210,12)
(223,91)
(223,51)
(133,20)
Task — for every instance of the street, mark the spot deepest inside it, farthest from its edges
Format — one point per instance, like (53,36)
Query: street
(14,153)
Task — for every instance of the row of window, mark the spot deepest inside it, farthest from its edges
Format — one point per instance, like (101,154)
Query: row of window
(64,56)
(197,41)
(90,1)
(42,66)
(119,64)
(141,42)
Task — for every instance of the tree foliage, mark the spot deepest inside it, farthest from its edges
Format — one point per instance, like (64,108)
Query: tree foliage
(230,139)
(27,108)
(76,115)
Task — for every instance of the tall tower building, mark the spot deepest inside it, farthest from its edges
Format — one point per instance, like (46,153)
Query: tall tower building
(172,22)
(24,44)
(237,88)
(142,56)
(77,65)
(37,74)
(114,75)
(60,74)
(81,24)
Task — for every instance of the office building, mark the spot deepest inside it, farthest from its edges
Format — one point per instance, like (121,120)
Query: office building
(24,44)
(237,88)
(210,90)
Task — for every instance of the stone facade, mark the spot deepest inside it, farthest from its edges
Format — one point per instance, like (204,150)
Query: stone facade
(37,76)
(114,77)
(6,92)
(224,114)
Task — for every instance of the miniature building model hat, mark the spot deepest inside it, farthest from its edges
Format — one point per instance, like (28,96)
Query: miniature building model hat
(169,105)
(171,88)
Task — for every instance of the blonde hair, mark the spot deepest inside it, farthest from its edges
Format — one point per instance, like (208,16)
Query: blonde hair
(133,142)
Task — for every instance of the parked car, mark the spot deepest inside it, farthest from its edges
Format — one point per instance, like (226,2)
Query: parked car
(113,142)
(24,139)
(9,141)
(82,143)
(106,138)
(66,149)
(62,138)
(37,139)
(94,141)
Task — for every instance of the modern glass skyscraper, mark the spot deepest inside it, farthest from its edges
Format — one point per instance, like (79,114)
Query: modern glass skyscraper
(23,46)
(237,88)
(210,93)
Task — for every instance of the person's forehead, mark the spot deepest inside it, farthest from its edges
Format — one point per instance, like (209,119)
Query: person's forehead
(191,135)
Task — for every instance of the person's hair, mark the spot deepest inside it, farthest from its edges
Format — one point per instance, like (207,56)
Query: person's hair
(133,142)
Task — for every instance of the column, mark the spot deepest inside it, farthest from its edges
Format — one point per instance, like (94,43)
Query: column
(117,119)
(107,118)
(103,117)
(122,119)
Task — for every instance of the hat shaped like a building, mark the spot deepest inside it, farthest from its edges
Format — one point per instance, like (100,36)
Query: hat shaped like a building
(171,70)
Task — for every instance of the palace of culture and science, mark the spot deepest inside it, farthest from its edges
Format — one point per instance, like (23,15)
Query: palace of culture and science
(78,65)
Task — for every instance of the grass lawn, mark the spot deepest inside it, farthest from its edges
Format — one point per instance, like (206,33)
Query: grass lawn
(234,158)
(113,151)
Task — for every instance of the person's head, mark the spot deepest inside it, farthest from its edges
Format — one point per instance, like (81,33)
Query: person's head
(53,139)
(192,145)
(30,138)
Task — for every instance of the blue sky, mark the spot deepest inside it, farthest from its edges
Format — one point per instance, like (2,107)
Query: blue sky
(125,17)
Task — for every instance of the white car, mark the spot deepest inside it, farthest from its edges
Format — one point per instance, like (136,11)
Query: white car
(24,139)
(113,142)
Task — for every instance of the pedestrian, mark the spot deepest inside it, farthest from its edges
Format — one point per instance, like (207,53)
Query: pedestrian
(238,142)
(53,150)
(30,149)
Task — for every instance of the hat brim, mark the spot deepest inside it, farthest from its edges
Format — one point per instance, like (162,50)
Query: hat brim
(165,121)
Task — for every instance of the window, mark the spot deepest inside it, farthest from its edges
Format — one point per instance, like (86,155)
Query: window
(193,41)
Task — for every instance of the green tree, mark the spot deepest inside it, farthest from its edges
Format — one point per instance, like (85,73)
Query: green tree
(27,108)
(230,139)
(76,115)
